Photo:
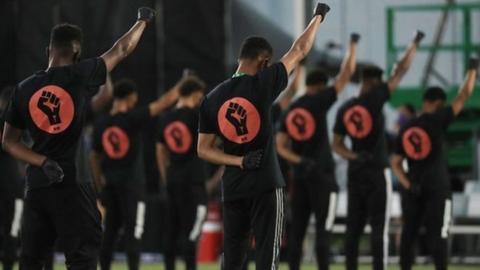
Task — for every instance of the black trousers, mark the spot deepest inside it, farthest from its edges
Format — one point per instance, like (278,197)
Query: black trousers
(67,214)
(125,210)
(369,195)
(10,217)
(433,209)
(186,212)
(314,193)
(263,216)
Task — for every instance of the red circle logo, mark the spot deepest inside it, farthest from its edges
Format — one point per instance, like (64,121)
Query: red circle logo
(115,142)
(238,120)
(51,109)
(178,137)
(416,143)
(300,124)
(358,122)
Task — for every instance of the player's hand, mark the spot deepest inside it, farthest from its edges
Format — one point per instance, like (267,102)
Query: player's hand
(53,171)
(354,37)
(252,160)
(419,35)
(321,9)
(145,14)
(473,63)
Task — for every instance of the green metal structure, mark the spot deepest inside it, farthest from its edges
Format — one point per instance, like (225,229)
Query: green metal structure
(463,135)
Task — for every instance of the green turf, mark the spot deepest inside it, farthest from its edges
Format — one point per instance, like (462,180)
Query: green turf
(282,267)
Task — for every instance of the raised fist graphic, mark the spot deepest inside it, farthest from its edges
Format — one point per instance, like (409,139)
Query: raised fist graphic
(176,134)
(237,116)
(49,104)
(416,142)
(300,123)
(114,141)
(356,119)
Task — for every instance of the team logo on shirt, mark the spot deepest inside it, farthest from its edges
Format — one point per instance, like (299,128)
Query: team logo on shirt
(416,143)
(358,122)
(51,109)
(238,120)
(115,142)
(300,124)
(178,137)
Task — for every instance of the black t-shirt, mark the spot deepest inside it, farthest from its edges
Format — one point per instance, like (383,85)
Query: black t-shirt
(117,139)
(10,182)
(421,141)
(362,120)
(305,122)
(239,111)
(51,105)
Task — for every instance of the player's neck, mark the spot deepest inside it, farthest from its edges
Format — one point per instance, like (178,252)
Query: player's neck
(246,67)
(185,103)
(310,91)
(58,62)
(428,109)
(118,107)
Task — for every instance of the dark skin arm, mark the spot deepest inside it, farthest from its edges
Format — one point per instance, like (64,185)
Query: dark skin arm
(348,67)
(163,161)
(209,151)
(166,100)
(338,145)
(287,95)
(97,174)
(103,97)
(283,149)
(398,170)
(214,181)
(402,66)
(12,143)
(465,91)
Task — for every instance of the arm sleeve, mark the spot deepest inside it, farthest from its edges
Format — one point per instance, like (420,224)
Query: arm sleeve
(273,80)
(92,72)
(339,126)
(205,124)
(446,117)
(13,115)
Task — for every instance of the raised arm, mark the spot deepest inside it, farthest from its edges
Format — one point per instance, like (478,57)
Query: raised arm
(303,44)
(287,95)
(104,96)
(128,42)
(466,90)
(348,65)
(166,100)
(284,150)
(402,66)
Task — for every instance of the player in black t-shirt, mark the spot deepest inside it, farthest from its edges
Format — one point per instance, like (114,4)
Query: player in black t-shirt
(116,169)
(303,141)
(51,105)
(369,188)
(11,188)
(239,112)
(426,194)
(183,174)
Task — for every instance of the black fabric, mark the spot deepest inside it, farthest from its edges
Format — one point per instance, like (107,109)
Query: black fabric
(78,81)
(427,209)
(66,214)
(426,155)
(365,139)
(8,239)
(246,101)
(117,139)
(183,143)
(122,204)
(263,216)
(311,195)
(367,202)
(315,146)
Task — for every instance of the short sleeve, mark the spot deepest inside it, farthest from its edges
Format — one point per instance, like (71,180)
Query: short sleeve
(205,124)
(93,72)
(273,80)
(339,126)
(13,115)
(445,116)
(377,97)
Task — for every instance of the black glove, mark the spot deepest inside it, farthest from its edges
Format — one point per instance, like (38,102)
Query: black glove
(321,9)
(364,157)
(354,37)
(415,189)
(145,14)
(473,63)
(53,171)
(252,160)
(419,35)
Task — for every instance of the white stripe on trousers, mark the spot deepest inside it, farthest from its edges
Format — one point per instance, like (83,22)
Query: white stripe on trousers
(17,218)
(447,215)
(140,220)
(386,224)
(201,213)
(332,209)
(278,227)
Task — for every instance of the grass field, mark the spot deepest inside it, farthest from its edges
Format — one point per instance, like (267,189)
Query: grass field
(119,266)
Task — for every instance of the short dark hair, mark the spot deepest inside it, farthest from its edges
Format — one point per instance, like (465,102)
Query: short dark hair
(409,107)
(62,36)
(372,72)
(124,88)
(252,47)
(191,85)
(317,76)
(434,93)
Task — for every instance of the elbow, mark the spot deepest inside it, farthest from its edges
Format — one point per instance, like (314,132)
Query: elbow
(201,152)
(5,145)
